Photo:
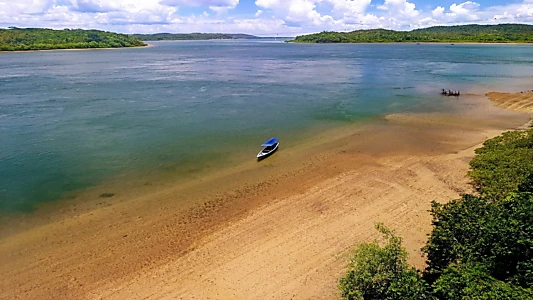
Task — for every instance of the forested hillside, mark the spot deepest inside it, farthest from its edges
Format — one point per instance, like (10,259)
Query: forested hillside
(503,33)
(44,39)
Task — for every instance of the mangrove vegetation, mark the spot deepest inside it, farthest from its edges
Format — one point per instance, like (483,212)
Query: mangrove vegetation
(503,33)
(14,39)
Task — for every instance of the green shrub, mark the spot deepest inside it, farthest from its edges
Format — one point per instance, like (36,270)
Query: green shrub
(527,185)
(496,234)
(379,272)
(471,281)
(503,163)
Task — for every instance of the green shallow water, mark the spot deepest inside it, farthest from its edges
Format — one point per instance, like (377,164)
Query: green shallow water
(74,119)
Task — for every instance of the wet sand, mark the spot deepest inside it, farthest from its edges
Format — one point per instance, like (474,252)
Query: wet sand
(521,102)
(279,229)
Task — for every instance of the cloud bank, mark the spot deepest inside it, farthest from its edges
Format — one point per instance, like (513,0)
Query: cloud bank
(262,17)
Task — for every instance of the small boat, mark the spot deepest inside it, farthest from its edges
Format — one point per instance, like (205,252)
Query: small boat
(450,93)
(270,147)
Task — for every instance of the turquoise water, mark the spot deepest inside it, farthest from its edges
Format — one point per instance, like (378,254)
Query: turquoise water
(74,119)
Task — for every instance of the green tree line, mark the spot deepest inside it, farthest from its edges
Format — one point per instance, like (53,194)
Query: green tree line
(481,246)
(191,36)
(502,33)
(15,39)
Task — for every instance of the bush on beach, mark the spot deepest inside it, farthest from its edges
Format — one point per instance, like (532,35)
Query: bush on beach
(382,272)
(481,246)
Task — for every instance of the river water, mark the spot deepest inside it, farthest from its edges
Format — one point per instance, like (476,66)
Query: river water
(74,119)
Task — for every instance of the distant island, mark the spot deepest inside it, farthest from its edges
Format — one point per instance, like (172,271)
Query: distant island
(19,39)
(192,36)
(503,33)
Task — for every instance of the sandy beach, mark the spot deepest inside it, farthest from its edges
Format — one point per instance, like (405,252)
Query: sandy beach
(279,229)
(521,102)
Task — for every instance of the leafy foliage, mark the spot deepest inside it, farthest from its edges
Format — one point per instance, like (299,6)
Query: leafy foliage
(471,281)
(382,272)
(503,33)
(503,163)
(527,185)
(495,234)
(45,39)
(455,225)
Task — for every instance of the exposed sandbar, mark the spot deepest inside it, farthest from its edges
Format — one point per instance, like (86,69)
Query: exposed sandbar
(279,229)
(521,102)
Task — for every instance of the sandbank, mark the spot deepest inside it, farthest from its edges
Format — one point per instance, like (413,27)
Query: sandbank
(279,229)
(521,102)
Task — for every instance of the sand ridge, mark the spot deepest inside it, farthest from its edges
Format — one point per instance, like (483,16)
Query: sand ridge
(282,229)
(521,102)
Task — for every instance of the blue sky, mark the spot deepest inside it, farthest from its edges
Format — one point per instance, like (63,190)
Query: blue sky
(260,17)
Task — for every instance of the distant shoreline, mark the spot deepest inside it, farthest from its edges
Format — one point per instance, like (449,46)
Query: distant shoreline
(413,43)
(472,33)
(77,49)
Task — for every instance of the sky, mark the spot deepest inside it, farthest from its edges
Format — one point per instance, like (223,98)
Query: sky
(258,17)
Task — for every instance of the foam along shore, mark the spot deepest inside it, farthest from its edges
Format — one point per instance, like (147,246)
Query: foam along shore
(279,229)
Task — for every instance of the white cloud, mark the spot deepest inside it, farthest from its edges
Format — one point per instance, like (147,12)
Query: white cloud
(465,8)
(220,10)
(296,11)
(467,11)
(204,3)
(287,17)
(522,13)
(83,13)
(94,6)
(400,8)
(438,12)
(349,8)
